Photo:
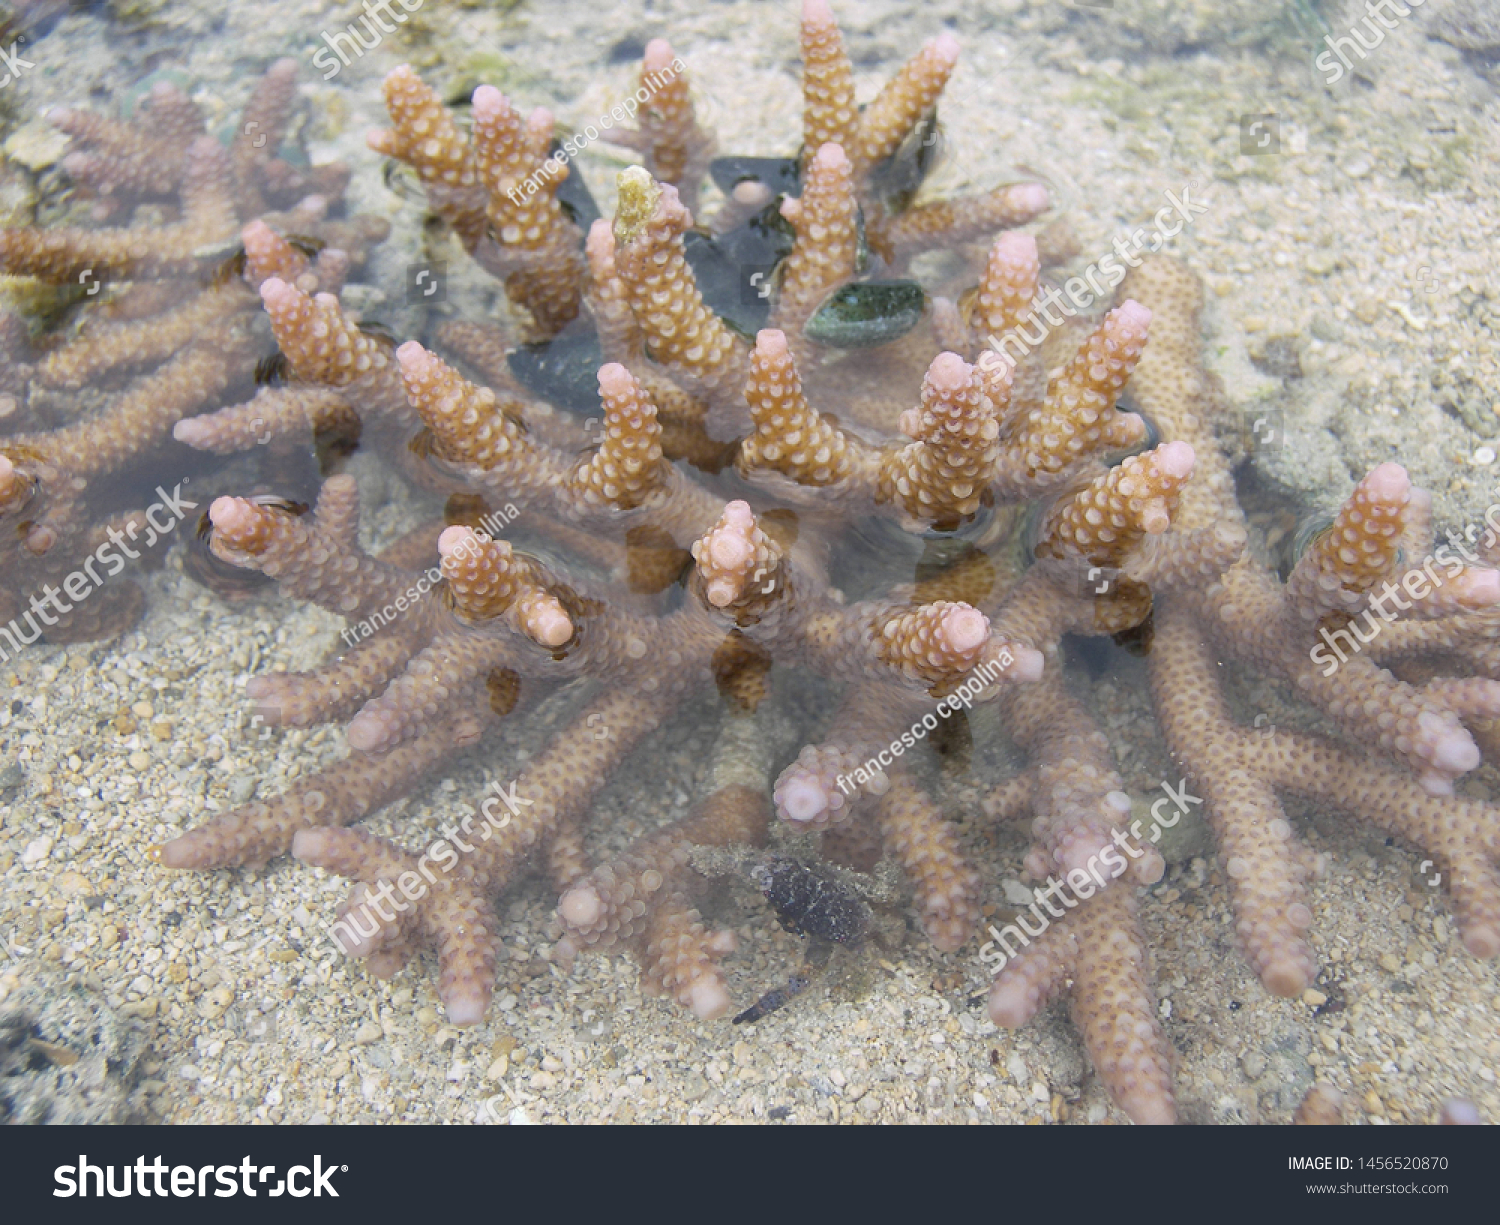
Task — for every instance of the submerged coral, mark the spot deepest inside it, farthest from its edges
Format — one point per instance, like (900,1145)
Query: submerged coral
(1016,496)
(170,326)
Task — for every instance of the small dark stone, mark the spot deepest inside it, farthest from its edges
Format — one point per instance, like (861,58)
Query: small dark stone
(627,51)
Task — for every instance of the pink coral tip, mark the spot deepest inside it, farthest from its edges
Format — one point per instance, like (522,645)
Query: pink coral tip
(1012,1002)
(1015,248)
(965,628)
(549,625)
(310,845)
(456,539)
(413,357)
(1387,483)
(770,342)
(231,515)
(366,732)
(615,381)
(659,55)
(1478,588)
(580,906)
(466,1005)
(949,374)
(278,295)
(487,104)
(945,47)
(257,233)
(600,243)
(1285,976)
(730,552)
(708,999)
(1131,314)
(802,800)
(1031,197)
(192,432)
(1175,459)
(1459,1112)
(1026,663)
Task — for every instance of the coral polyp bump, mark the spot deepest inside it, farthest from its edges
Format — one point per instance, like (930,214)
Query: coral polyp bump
(702,544)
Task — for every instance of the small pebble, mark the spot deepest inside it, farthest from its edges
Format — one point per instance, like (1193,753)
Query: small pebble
(367,1033)
(1314,999)
(36,850)
(216,1003)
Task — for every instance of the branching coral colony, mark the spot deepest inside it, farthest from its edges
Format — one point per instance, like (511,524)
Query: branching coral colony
(679,581)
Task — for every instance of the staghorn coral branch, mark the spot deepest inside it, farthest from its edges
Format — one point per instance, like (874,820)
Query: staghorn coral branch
(1073,789)
(828,111)
(790,436)
(642,894)
(929,227)
(318,560)
(1104,522)
(425,137)
(553,790)
(826,251)
(1097,954)
(925,845)
(340,794)
(739,564)
(75,256)
(683,334)
(1078,418)
(821,788)
(628,467)
(902,103)
(956,453)
(675,149)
